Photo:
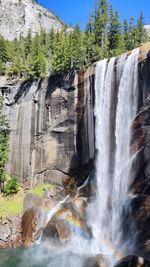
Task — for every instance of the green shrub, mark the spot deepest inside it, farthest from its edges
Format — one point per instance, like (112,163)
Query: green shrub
(4,144)
(11,186)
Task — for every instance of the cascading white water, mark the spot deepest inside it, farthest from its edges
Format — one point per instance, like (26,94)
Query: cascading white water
(116,93)
(56,208)
(126,111)
(103,90)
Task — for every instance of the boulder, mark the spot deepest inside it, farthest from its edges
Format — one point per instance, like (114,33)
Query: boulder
(10,232)
(56,231)
(97,261)
(5,232)
(28,225)
(67,221)
(132,261)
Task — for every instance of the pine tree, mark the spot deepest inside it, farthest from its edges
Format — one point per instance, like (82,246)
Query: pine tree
(101,17)
(37,61)
(78,49)
(141,32)
(126,35)
(3,50)
(114,34)
(57,52)
(57,63)
(132,40)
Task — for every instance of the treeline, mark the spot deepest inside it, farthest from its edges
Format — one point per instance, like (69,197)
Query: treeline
(105,36)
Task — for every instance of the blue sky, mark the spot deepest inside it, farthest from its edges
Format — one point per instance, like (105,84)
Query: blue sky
(77,11)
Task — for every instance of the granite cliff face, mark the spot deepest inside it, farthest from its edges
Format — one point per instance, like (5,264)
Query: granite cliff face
(52,126)
(17,17)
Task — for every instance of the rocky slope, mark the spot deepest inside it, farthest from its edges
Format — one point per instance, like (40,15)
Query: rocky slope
(17,17)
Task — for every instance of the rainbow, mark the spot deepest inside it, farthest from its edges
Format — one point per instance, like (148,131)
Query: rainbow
(75,223)
(78,226)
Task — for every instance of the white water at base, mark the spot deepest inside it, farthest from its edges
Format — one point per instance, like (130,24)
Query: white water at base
(114,161)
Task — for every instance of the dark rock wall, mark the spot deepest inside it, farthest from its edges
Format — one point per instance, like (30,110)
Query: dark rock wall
(52,126)
(141,134)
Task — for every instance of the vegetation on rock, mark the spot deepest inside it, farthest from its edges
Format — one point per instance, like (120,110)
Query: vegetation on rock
(56,52)
(4,145)
(12,186)
(13,204)
(41,189)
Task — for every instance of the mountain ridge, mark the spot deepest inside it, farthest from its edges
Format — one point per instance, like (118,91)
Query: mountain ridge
(18,17)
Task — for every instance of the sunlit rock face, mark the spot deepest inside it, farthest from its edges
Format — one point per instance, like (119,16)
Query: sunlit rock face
(51,126)
(53,221)
(10,232)
(17,17)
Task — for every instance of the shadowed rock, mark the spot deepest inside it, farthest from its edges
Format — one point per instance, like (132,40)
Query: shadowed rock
(97,261)
(132,261)
(136,221)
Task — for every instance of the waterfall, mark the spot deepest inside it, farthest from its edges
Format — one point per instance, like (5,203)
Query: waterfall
(116,104)
(126,111)
(116,97)
(103,92)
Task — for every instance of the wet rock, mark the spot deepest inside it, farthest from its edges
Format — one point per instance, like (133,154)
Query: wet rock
(72,217)
(57,231)
(140,145)
(3,245)
(136,220)
(132,261)
(67,221)
(34,219)
(97,261)
(28,227)
(80,204)
(32,224)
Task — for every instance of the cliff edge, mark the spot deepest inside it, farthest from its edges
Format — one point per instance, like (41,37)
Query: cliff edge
(18,17)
